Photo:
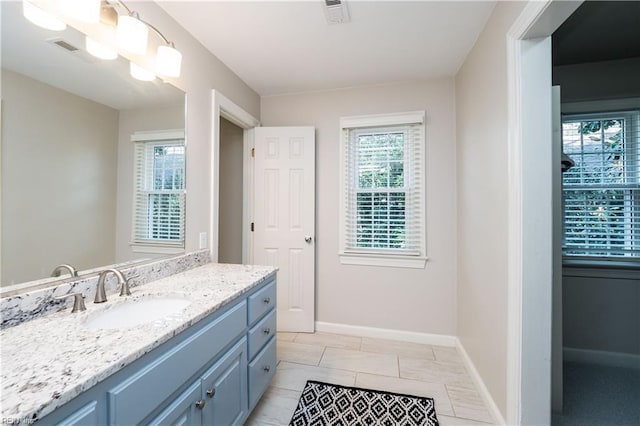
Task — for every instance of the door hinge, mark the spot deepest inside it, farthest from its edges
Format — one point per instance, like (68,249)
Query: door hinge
(253,152)
(252,227)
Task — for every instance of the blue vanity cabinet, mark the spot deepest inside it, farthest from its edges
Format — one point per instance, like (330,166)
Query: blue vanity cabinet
(262,341)
(212,373)
(86,415)
(219,397)
(224,388)
(183,410)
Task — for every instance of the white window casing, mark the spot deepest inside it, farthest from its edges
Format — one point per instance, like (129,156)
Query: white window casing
(159,192)
(382,187)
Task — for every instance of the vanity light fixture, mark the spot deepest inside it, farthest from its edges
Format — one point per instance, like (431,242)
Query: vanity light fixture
(168,60)
(99,50)
(41,18)
(132,33)
(82,10)
(140,73)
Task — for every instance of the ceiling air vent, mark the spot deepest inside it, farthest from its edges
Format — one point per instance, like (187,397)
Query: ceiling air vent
(336,11)
(73,50)
(64,45)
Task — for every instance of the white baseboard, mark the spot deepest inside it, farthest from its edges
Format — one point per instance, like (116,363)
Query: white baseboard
(482,388)
(384,333)
(611,359)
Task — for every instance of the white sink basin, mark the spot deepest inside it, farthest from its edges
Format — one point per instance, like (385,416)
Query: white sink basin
(131,313)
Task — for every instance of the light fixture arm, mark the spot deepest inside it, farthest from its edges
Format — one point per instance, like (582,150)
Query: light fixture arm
(157,31)
(135,14)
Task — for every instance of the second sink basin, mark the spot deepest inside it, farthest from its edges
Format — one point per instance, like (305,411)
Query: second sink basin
(135,312)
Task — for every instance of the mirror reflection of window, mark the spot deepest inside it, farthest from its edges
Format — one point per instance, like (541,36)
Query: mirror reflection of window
(159,189)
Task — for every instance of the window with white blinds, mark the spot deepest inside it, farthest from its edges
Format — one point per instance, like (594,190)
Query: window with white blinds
(601,192)
(159,195)
(383,190)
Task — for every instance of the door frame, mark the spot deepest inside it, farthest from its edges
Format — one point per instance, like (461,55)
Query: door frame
(530,203)
(221,106)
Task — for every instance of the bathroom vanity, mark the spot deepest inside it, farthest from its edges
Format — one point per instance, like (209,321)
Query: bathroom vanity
(208,363)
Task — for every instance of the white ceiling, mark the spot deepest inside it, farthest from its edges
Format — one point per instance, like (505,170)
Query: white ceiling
(288,46)
(27,49)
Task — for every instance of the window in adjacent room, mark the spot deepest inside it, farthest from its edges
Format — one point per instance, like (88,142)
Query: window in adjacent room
(383,192)
(601,193)
(159,192)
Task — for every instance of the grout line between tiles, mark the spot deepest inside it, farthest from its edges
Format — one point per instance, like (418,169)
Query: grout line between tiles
(324,349)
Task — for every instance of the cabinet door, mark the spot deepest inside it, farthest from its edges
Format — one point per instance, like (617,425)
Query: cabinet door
(86,415)
(183,410)
(224,388)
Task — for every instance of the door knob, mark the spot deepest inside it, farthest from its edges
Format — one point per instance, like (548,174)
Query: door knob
(307,239)
(200,404)
(211,393)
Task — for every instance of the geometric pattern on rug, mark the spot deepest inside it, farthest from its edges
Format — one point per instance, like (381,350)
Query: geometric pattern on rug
(335,405)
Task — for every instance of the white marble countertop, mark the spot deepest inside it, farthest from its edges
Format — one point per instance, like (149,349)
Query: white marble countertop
(48,361)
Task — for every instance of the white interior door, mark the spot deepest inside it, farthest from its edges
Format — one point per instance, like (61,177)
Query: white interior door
(284,219)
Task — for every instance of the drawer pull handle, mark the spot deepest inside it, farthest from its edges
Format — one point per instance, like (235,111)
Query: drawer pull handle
(211,393)
(267,300)
(200,404)
(266,368)
(266,331)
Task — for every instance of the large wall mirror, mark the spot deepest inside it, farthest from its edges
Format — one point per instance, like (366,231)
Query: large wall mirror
(67,152)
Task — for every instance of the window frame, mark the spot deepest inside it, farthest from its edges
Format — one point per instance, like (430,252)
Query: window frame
(151,140)
(401,258)
(631,116)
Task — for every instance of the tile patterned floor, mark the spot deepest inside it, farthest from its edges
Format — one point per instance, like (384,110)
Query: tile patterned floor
(411,368)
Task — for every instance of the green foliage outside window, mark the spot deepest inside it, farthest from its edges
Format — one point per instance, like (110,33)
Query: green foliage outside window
(381,196)
(598,191)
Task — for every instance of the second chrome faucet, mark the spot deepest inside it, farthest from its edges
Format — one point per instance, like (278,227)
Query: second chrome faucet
(101,295)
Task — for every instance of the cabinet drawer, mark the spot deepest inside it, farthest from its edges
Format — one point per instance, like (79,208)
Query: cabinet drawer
(261,333)
(262,301)
(261,371)
(136,397)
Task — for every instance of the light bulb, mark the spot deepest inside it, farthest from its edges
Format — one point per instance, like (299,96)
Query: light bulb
(168,61)
(132,34)
(99,50)
(82,10)
(140,73)
(41,18)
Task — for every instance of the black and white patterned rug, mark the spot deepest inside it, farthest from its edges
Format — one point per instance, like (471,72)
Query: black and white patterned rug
(335,405)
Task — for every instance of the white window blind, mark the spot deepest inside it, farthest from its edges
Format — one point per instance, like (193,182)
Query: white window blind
(383,186)
(159,196)
(601,192)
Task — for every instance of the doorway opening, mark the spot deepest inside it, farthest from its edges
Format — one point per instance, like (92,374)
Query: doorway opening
(597,321)
(530,210)
(231,190)
(235,120)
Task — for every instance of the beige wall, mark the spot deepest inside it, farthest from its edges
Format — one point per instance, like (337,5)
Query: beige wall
(131,121)
(59,181)
(416,300)
(601,312)
(201,72)
(231,164)
(481,121)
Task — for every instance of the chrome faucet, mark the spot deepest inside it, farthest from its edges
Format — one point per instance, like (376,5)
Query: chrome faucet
(101,295)
(58,270)
(78,302)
